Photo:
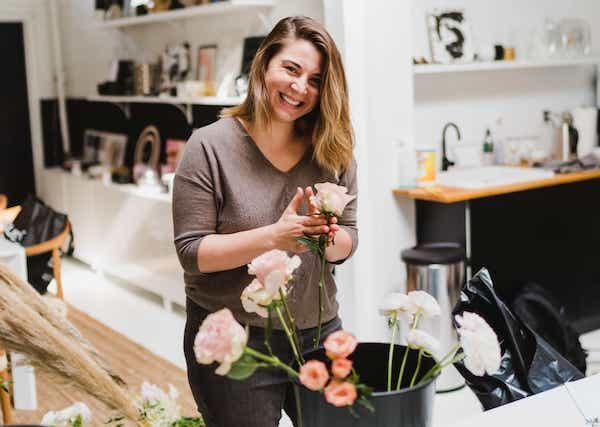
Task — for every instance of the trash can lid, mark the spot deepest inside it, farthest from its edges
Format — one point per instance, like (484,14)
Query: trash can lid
(434,253)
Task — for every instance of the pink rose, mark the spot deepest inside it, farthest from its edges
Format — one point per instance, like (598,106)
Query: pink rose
(340,393)
(273,261)
(220,339)
(339,345)
(331,198)
(314,375)
(341,368)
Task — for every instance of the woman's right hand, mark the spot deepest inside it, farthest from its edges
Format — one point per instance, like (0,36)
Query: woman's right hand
(291,226)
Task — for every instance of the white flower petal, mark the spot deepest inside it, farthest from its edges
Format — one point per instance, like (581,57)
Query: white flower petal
(479,343)
(425,304)
(421,340)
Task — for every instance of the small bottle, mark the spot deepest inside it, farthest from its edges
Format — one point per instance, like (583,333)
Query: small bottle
(488,149)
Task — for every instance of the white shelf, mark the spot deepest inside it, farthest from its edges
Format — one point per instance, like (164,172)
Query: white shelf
(217,8)
(205,100)
(424,69)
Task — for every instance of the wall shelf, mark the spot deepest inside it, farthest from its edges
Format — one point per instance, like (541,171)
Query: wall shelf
(425,69)
(205,100)
(216,8)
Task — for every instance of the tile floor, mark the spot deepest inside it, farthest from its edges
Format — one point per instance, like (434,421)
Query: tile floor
(141,317)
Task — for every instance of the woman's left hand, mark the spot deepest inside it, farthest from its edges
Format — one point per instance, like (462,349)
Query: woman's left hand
(312,209)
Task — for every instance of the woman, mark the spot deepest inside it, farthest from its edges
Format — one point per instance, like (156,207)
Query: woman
(240,190)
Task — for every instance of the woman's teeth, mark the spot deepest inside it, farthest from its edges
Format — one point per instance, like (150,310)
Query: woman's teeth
(290,100)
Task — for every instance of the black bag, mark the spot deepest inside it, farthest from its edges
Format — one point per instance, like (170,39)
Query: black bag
(37,223)
(539,309)
(529,364)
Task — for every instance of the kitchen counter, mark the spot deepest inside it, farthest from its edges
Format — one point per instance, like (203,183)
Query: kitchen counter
(441,194)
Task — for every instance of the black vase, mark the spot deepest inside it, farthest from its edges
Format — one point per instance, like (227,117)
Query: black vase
(408,407)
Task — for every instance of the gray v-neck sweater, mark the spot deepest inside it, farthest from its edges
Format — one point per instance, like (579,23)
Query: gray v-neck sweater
(224,184)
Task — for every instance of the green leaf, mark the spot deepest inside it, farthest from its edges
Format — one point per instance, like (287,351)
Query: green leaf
(363,401)
(189,422)
(310,243)
(243,368)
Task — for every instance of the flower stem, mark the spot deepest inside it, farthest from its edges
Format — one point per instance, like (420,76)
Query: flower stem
(402,368)
(289,335)
(391,355)
(288,313)
(414,377)
(322,247)
(272,360)
(441,364)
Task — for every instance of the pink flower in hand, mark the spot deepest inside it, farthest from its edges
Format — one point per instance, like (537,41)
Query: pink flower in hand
(314,375)
(339,345)
(340,393)
(220,339)
(331,198)
(273,261)
(341,368)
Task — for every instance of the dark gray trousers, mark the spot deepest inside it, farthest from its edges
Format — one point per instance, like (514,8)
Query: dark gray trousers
(256,401)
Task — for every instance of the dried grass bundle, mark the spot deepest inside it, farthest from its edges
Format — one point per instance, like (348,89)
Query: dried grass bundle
(29,326)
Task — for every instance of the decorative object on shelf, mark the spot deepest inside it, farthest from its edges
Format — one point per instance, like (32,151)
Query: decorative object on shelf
(104,148)
(251,45)
(575,37)
(145,159)
(449,36)
(114,11)
(146,79)
(175,63)
(160,6)
(205,68)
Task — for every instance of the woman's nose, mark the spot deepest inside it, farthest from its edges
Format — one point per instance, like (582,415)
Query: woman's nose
(299,87)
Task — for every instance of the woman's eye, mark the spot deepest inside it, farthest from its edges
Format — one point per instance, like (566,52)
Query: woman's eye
(315,82)
(290,68)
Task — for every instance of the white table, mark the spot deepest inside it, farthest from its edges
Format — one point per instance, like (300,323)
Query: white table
(553,408)
(13,256)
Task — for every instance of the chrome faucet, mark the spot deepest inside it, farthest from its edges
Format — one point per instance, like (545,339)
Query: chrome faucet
(445,162)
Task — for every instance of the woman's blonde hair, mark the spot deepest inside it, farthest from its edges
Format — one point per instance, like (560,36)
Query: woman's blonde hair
(329,121)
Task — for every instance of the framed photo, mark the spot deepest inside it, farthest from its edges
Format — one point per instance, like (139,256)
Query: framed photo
(104,148)
(450,37)
(205,63)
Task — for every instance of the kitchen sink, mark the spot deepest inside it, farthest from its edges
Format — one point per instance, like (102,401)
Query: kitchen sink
(490,176)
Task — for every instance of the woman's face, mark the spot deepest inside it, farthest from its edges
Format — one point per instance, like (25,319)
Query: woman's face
(293,80)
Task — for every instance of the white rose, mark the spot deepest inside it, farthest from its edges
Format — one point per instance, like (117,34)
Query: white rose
(68,416)
(479,343)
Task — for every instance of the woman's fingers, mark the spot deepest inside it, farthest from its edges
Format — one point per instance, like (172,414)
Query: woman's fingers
(321,229)
(308,193)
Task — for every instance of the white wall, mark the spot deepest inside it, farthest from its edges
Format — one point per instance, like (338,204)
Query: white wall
(88,51)
(516,98)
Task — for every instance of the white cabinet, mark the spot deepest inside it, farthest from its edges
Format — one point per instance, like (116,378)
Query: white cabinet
(120,231)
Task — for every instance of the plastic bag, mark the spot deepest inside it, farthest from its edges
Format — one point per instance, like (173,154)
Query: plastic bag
(529,364)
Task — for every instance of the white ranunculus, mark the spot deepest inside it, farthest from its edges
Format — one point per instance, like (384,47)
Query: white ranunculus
(425,304)
(479,343)
(421,340)
(160,408)
(398,303)
(68,416)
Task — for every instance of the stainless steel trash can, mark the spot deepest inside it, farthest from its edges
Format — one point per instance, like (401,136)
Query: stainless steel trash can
(439,269)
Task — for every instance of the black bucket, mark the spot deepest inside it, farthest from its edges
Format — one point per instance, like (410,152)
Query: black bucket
(410,407)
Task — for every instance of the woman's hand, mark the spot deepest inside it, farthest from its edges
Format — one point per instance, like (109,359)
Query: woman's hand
(312,210)
(291,226)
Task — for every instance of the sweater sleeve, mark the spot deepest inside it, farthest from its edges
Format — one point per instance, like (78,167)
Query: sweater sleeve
(348,219)
(195,199)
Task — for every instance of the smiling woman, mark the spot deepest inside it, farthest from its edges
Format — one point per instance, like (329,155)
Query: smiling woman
(243,187)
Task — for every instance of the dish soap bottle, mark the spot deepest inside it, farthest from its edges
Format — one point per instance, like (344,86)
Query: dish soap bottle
(488,149)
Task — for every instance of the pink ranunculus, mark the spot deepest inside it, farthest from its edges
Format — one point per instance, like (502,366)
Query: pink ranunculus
(341,368)
(340,393)
(314,375)
(274,260)
(339,345)
(220,339)
(331,198)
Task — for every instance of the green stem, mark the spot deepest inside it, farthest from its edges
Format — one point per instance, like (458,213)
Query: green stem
(414,377)
(391,355)
(298,407)
(288,313)
(289,335)
(268,330)
(272,360)
(399,383)
(322,248)
(441,364)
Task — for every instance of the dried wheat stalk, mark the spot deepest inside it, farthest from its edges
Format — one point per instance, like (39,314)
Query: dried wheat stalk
(53,344)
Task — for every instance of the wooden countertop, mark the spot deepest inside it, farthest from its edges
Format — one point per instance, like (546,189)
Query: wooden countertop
(443,194)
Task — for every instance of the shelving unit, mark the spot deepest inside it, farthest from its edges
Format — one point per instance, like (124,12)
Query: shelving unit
(428,69)
(205,100)
(217,8)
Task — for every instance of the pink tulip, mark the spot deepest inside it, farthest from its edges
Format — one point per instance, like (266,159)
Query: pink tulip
(341,368)
(340,393)
(331,198)
(314,375)
(220,339)
(340,344)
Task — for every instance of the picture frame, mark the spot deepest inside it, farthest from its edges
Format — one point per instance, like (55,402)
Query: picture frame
(104,148)
(206,58)
(450,38)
